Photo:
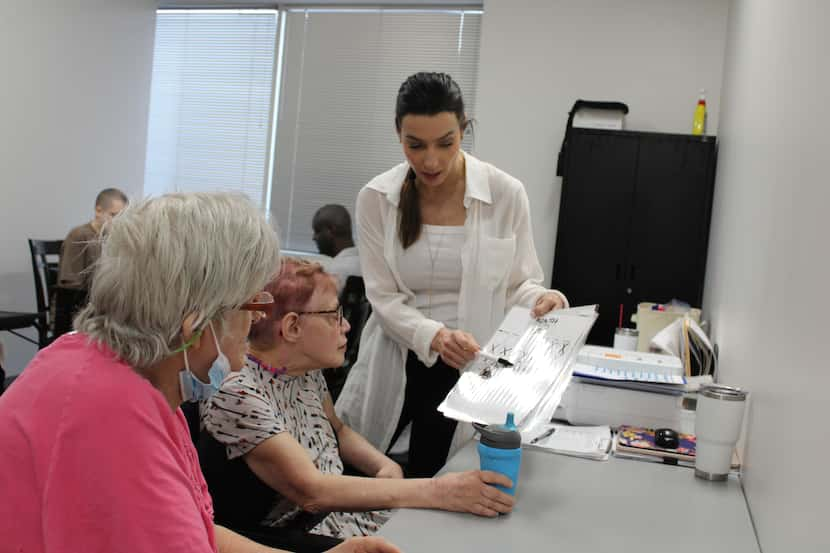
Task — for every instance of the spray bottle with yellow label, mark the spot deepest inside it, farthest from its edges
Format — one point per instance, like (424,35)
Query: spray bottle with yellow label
(699,121)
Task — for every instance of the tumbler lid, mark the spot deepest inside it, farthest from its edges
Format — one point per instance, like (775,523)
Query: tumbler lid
(623,331)
(500,436)
(720,391)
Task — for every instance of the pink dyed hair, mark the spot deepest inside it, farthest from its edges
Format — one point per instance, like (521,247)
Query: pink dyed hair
(292,289)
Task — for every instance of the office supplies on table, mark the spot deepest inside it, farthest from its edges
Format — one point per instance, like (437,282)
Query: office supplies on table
(650,321)
(541,352)
(611,364)
(642,441)
(685,339)
(586,403)
(666,438)
(589,442)
(494,359)
(720,412)
(626,339)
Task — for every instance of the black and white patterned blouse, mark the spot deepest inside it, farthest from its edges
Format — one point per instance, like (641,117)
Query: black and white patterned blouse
(254,405)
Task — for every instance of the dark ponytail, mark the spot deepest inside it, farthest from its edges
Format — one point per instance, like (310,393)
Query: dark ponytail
(409,212)
(422,94)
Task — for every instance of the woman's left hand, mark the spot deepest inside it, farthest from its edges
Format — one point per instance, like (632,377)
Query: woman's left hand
(546,303)
(390,469)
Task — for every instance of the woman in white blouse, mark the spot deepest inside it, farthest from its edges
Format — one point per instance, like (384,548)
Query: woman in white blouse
(446,249)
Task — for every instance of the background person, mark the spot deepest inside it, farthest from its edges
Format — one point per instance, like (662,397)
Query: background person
(81,247)
(332,228)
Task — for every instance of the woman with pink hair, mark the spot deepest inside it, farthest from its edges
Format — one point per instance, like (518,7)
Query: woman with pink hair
(277,415)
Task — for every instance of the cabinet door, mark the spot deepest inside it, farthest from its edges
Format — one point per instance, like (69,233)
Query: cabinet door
(594,218)
(670,223)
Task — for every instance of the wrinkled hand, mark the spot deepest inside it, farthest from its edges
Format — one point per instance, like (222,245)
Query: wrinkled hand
(365,545)
(547,303)
(456,347)
(471,492)
(390,469)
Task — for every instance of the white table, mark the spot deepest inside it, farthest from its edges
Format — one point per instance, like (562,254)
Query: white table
(571,505)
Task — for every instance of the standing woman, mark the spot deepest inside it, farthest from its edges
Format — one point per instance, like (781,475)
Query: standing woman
(446,250)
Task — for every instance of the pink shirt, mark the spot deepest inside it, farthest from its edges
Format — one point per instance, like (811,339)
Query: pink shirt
(92,458)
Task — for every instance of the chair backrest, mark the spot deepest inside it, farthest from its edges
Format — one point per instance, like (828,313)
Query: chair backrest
(240,498)
(45,264)
(356,310)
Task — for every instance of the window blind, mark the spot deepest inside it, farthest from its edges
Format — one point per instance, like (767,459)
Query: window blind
(341,73)
(211,101)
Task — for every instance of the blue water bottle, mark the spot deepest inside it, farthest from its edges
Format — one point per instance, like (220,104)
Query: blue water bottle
(500,450)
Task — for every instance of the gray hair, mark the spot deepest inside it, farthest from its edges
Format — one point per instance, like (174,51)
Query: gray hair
(172,256)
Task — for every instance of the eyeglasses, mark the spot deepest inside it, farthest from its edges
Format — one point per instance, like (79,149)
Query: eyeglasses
(338,311)
(259,304)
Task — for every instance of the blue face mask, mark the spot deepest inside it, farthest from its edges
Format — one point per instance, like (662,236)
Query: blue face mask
(194,389)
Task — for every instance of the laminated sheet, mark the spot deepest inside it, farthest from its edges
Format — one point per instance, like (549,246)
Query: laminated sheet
(541,352)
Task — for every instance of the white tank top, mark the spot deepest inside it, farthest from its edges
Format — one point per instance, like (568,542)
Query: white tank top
(431,268)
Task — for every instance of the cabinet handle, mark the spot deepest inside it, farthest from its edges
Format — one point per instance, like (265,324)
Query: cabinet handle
(619,270)
(632,272)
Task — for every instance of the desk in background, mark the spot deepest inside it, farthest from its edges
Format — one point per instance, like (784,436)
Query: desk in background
(573,505)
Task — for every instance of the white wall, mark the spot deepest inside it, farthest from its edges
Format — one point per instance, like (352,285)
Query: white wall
(768,271)
(73,104)
(539,56)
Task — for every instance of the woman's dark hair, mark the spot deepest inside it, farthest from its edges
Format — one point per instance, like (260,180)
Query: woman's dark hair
(423,94)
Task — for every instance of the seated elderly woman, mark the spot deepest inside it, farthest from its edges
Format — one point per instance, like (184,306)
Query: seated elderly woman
(277,415)
(96,455)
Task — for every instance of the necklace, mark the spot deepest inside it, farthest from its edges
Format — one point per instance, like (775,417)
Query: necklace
(276,371)
(432,260)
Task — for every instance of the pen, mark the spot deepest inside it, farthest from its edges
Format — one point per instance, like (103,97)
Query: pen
(543,435)
(500,360)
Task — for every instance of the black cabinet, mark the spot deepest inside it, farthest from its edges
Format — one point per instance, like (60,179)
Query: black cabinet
(633,221)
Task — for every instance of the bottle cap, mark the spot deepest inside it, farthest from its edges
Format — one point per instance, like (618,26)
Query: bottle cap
(501,436)
(720,391)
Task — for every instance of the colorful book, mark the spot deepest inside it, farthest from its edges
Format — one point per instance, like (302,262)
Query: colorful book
(632,439)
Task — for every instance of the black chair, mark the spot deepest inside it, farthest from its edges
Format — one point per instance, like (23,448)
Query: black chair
(2,371)
(45,259)
(356,310)
(67,303)
(191,415)
(45,265)
(241,500)
(12,321)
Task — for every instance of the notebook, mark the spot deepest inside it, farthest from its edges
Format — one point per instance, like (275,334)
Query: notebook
(640,441)
(590,442)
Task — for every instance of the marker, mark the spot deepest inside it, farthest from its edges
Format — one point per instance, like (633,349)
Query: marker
(500,360)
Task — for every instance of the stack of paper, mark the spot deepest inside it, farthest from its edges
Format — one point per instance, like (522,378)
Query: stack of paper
(590,442)
(685,339)
(630,369)
(525,369)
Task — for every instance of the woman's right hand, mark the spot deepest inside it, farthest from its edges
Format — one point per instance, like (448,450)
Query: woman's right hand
(456,347)
(472,492)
